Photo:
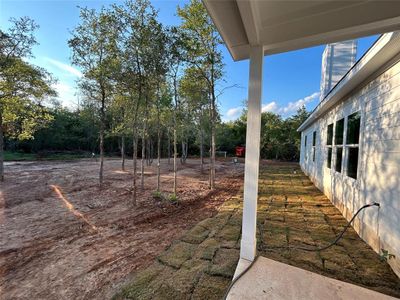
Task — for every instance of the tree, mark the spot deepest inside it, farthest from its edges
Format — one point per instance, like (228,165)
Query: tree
(201,43)
(175,60)
(120,124)
(23,86)
(141,43)
(93,45)
(194,92)
(293,137)
(272,135)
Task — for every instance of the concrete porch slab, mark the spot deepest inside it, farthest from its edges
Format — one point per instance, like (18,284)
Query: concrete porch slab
(269,279)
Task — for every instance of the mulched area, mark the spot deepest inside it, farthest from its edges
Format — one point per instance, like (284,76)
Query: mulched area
(291,213)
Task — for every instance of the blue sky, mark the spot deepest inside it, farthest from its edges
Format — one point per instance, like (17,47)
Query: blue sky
(290,79)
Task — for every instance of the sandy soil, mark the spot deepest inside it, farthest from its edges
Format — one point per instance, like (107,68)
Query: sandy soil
(61,237)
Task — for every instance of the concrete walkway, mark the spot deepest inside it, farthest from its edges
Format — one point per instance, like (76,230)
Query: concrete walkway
(291,212)
(272,280)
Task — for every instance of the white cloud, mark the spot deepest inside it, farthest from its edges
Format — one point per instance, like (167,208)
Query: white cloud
(66,93)
(271,107)
(291,107)
(64,67)
(234,112)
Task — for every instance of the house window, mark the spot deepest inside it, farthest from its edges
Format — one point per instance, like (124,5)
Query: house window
(339,154)
(305,147)
(329,161)
(352,163)
(314,140)
(339,132)
(353,129)
(329,144)
(352,142)
(330,135)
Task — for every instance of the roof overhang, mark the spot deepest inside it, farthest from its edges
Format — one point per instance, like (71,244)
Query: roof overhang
(281,26)
(381,53)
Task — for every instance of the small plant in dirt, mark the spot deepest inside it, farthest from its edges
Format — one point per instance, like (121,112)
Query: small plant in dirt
(157,195)
(173,198)
(385,255)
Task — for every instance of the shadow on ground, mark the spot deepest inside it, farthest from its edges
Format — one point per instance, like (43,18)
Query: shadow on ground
(291,213)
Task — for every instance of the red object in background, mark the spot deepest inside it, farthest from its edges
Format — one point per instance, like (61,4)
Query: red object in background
(240,150)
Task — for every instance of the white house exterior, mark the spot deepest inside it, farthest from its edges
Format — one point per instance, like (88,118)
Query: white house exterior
(351,145)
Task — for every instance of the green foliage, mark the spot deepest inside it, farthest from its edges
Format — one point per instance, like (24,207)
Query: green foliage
(19,156)
(173,198)
(279,137)
(140,79)
(385,255)
(157,195)
(24,88)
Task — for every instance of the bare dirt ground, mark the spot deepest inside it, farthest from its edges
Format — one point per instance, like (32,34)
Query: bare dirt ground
(61,237)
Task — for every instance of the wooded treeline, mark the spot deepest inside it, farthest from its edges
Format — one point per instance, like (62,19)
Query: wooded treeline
(149,91)
(78,131)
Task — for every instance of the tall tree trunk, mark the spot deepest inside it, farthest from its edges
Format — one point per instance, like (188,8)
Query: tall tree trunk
(175,125)
(158,151)
(123,153)
(169,147)
(135,148)
(102,128)
(183,152)
(212,154)
(142,160)
(201,150)
(175,155)
(1,148)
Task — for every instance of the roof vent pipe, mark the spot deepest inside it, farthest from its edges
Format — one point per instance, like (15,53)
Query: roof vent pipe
(337,59)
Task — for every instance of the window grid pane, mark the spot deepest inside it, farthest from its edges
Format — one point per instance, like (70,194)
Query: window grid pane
(314,139)
(353,129)
(339,154)
(329,162)
(339,132)
(352,163)
(330,135)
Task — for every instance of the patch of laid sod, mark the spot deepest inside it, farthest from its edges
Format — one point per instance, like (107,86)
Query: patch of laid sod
(210,288)
(142,287)
(196,235)
(177,254)
(180,283)
(207,249)
(224,262)
(229,233)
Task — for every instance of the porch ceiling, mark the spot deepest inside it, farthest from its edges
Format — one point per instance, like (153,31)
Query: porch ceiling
(282,26)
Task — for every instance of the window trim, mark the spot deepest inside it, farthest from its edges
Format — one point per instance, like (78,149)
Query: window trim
(341,159)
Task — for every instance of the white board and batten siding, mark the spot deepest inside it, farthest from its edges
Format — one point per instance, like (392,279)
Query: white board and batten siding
(378,175)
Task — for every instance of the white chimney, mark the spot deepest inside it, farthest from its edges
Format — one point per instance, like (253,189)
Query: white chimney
(337,59)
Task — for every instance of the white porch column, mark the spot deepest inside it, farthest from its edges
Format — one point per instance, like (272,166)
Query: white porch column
(249,221)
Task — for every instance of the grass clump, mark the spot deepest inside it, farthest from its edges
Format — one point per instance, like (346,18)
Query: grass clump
(157,195)
(173,198)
